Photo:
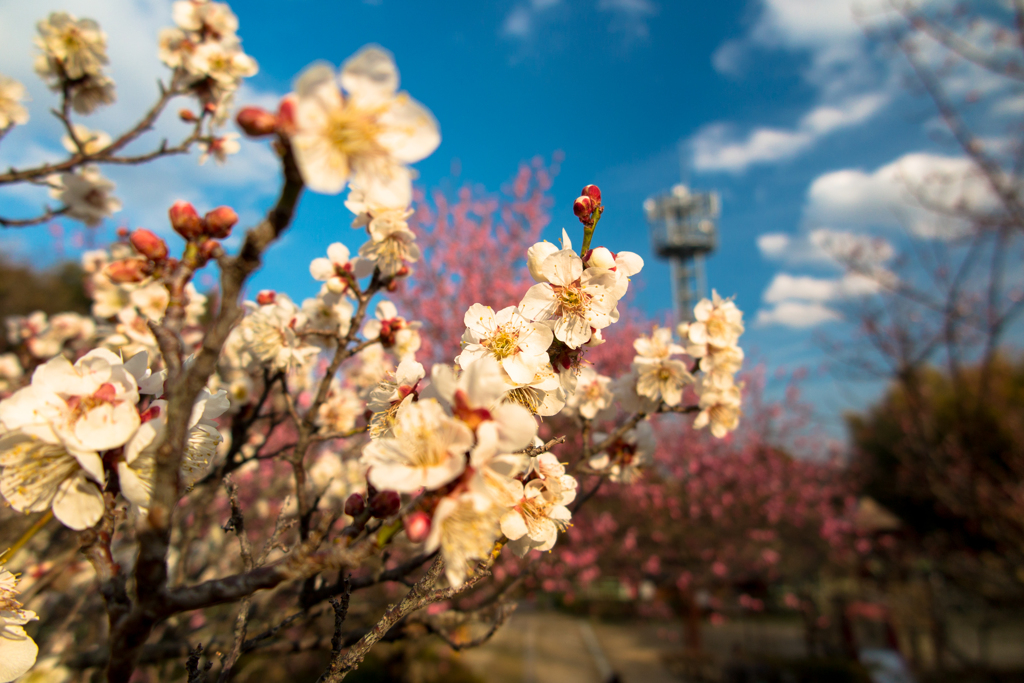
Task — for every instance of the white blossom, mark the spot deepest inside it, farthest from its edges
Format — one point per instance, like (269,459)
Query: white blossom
(465,528)
(662,378)
(366,135)
(624,458)
(86,193)
(92,140)
(17,650)
(72,48)
(517,343)
(592,395)
(719,408)
(12,111)
(428,450)
(336,270)
(575,301)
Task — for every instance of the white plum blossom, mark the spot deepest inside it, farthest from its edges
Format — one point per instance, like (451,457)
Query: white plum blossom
(55,430)
(624,458)
(12,111)
(476,397)
(329,313)
(199,15)
(575,301)
(92,141)
(224,63)
(719,408)
(138,468)
(367,135)
(465,528)
(269,332)
(337,269)
(593,394)
(219,147)
(658,346)
(535,517)
(517,343)
(340,410)
(396,334)
(17,650)
(394,392)
(392,244)
(718,323)
(662,378)
(428,450)
(543,395)
(556,482)
(86,194)
(71,48)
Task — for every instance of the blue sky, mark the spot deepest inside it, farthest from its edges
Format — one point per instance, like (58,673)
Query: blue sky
(783,106)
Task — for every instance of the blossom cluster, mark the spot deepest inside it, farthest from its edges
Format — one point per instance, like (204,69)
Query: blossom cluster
(60,434)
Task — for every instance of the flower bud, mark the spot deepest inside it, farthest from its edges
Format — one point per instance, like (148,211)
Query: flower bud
(209,250)
(185,221)
(256,122)
(126,270)
(417,526)
(286,115)
(583,207)
(403,272)
(122,232)
(385,503)
(592,191)
(149,245)
(601,257)
(355,505)
(266,296)
(220,221)
(187,116)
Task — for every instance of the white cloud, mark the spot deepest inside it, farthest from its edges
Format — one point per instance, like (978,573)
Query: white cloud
(716,149)
(786,287)
(146,191)
(521,22)
(892,195)
(525,19)
(796,314)
(730,58)
(825,246)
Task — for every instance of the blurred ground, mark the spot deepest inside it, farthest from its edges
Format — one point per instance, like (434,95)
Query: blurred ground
(549,647)
(553,647)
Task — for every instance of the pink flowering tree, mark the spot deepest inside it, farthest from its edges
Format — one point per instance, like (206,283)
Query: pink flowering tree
(238,474)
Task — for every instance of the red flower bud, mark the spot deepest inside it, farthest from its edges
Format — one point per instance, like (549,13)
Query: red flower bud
(209,250)
(126,270)
(266,296)
(417,526)
(286,115)
(185,221)
(403,272)
(122,232)
(385,503)
(583,207)
(256,121)
(592,191)
(149,245)
(220,221)
(187,116)
(355,505)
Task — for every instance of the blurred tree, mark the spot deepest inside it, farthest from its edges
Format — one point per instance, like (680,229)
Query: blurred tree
(57,289)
